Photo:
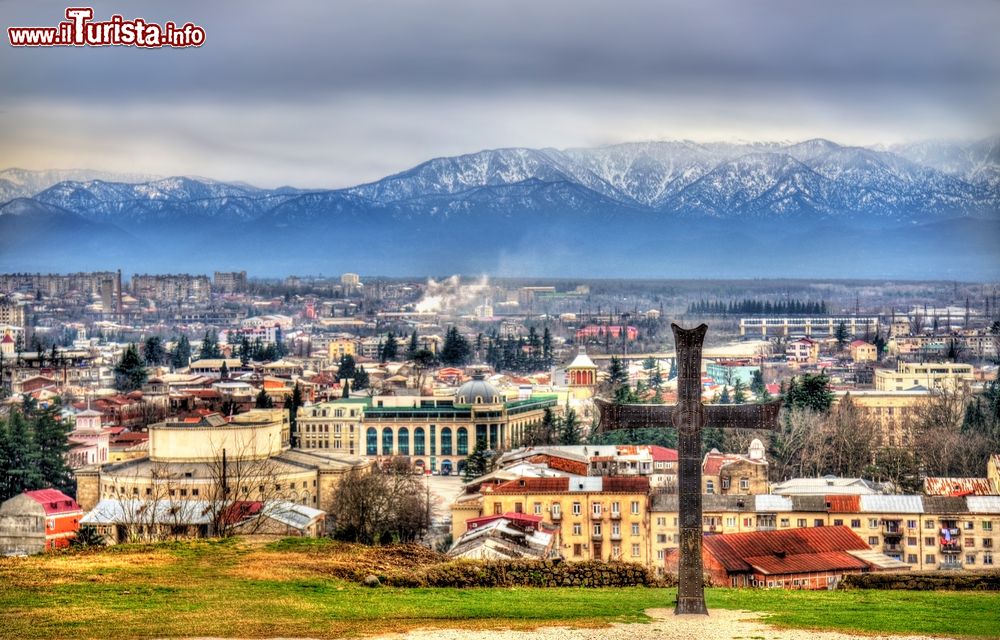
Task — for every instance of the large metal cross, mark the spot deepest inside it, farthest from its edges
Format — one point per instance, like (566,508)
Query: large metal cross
(688,416)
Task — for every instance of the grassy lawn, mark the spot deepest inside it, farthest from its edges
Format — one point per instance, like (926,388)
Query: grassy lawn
(236,589)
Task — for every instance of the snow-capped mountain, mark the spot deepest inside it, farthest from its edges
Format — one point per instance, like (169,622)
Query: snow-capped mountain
(479,209)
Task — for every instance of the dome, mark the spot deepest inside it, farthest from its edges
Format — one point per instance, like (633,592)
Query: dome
(477,391)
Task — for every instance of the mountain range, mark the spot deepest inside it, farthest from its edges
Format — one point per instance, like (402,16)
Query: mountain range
(652,209)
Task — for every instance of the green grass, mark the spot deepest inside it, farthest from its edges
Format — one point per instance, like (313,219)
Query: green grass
(232,588)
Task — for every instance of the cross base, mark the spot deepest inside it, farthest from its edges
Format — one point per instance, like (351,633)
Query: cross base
(690,604)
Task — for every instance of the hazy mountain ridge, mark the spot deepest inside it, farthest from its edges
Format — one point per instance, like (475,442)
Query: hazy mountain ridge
(482,208)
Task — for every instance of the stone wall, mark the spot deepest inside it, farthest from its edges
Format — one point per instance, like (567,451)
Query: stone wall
(925,581)
(527,573)
(21,535)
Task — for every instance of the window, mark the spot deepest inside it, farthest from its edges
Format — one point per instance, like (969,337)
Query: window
(730,522)
(969,525)
(597,528)
(463,441)
(635,550)
(970,558)
(744,483)
(988,543)
(661,522)
(576,509)
(616,529)
(785,522)
(596,508)
(419,442)
(912,558)
(873,541)
(911,524)
(747,522)
(928,524)
(987,525)
(194,492)
(873,523)
(576,549)
(446,441)
(837,522)
(970,542)
(537,508)
(556,510)
(662,555)
(635,507)
(616,507)
(724,483)
(928,541)
(661,538)
(518,507)
(911,541)
(709,486)
(818,522)
(387,440)
(987,558)
(801,523)
(635,529)
(856,523)
(497,509)
(929,558)
(577,529)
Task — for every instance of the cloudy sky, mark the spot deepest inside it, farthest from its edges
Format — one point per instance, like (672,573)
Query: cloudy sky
(333,93)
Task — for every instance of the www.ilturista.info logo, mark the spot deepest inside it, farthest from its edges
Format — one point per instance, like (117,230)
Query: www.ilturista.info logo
(79,30)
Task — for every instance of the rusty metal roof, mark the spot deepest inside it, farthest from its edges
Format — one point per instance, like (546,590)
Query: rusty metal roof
(957,487)
(843,504)
(797,550)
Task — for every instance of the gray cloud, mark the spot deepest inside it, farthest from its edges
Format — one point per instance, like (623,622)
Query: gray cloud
(330,93)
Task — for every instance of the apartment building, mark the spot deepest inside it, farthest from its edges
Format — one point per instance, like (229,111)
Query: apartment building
(946,376)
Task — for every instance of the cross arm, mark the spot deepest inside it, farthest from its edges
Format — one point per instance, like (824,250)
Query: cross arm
(632,416)
(743,416)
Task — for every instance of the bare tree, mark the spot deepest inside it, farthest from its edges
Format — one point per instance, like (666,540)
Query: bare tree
(381,506)
(242,483)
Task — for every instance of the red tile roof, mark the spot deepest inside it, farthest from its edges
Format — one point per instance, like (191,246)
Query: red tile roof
(53,501)
(788,551)
(663,454)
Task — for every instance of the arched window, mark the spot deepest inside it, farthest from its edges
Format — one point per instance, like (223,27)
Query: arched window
(418,441)
(463,441)
(387,441)
(446,441)
(372,441)
(403,441)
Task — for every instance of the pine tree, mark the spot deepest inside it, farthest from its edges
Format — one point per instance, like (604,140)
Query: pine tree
(224,371)
(345,388)
(263,401)
(348,368)
(413,346)
(130,372)
(51,444)
(724,397)
(361,379)
(293,403)
(153,351)
(456,350)
(570,433)
(842,335)
(617,374)
(548,429)
(547,348)
(739,392)
(209,346)
(390,349)
(180,357)
(19,470)
(757,385)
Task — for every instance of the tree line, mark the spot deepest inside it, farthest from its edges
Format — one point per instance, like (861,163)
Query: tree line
(749,306)
(519,354)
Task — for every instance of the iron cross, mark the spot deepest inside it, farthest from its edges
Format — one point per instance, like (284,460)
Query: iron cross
(688,416)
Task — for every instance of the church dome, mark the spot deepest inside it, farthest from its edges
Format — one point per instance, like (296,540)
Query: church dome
(477,391)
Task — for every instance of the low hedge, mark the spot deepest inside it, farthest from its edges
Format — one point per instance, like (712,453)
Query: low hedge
(925,581)
(526,573)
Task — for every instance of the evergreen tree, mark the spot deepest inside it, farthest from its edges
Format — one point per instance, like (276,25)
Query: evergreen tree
(180,356)
(456,350)
(293,403)
(245,350)
(739,392)
(390,349)
(130,372)
(209,346)
(51,444)
(476,464)
(842,336)
(724,397)
(153,351)
(345,388)
(548,429)
(361,379)
(19,470)
(347,369)
(757,385)
(263,401)
(617,373)
(811,391)
(413,346)
(547,358)
(224,371)
(570,433)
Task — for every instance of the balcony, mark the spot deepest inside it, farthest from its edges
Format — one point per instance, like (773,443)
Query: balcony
(890,547)
(595,516)
(892,529)
(951,547)
(556,516)
(596,537)
(616,536)
(616,515)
